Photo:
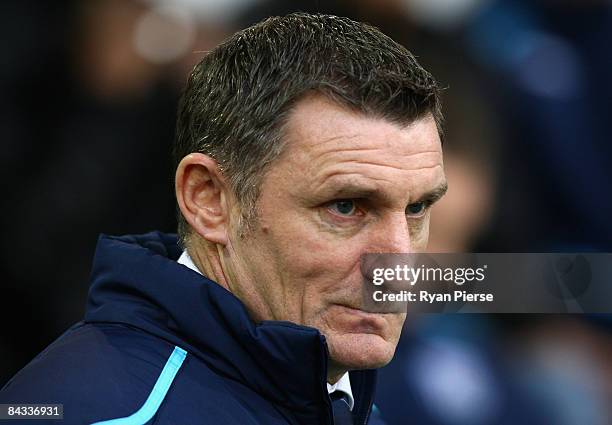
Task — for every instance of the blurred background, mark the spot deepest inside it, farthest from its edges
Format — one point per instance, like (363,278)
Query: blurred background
(88,92)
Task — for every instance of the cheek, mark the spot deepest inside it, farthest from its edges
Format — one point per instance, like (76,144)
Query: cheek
(314,256)
(312,269)
(306,249)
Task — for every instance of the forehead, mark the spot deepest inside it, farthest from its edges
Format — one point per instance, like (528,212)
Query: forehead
(319,123)
(328,144)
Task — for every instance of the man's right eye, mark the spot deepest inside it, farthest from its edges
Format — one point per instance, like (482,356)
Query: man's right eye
(345,207)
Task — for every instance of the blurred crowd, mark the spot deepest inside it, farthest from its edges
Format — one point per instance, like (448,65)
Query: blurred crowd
(88,92)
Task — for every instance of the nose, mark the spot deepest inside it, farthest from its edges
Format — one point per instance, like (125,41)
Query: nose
(393,235)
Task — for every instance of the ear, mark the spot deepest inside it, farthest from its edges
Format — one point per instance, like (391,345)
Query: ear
(202,196)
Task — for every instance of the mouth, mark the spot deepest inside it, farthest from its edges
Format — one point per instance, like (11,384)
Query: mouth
(355,320)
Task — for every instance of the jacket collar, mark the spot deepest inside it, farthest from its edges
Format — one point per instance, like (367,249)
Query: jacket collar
(137,281)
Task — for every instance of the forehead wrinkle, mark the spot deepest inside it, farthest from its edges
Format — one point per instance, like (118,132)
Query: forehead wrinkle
(326,141)
(365,143)
(328,163)
(341,144)
(369,181)
(334,161)
(334,170)
(358,150)
(312,145)
(325,147)
(383,183)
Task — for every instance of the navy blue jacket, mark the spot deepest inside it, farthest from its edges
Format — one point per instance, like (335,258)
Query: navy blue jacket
(162,344)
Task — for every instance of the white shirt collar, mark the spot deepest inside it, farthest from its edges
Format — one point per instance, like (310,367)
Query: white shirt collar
(186,260)
(343,384)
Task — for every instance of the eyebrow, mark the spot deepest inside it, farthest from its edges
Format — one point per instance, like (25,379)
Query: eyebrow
(434,195)
(356,191)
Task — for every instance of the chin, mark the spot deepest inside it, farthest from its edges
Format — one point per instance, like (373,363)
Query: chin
(360,351)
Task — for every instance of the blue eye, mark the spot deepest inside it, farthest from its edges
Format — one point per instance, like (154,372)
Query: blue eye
(344,207)
(416,209)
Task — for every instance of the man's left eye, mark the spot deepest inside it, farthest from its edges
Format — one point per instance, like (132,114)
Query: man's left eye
(416,209)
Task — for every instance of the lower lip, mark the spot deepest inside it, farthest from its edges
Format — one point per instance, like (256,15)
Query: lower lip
(360,321)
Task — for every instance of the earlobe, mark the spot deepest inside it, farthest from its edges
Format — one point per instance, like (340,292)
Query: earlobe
(201,194)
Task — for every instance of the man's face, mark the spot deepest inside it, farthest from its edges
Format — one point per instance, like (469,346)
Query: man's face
(345,185)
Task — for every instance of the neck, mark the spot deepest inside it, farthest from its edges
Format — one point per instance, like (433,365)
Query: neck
(207,258)
(331,380)
(216,263)
(334,372)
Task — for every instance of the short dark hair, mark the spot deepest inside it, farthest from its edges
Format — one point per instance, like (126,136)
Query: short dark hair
(239,95)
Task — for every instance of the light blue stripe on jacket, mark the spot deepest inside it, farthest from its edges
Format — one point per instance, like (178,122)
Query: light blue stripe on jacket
(155,399)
